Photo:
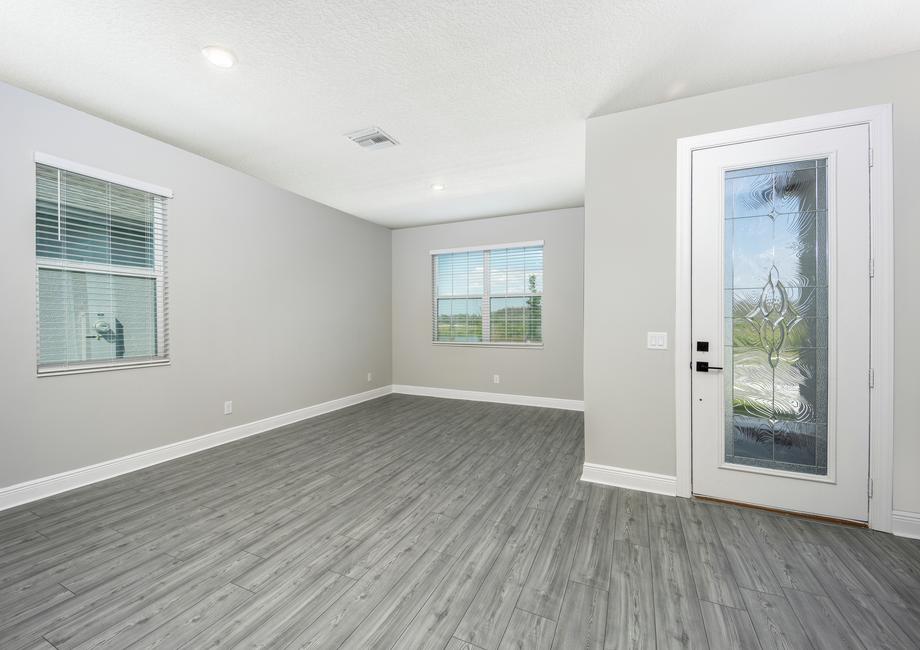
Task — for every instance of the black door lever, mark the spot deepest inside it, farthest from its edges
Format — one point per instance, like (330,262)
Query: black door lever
(703,366)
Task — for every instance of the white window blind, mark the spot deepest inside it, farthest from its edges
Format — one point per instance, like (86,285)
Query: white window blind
(488,295)
(100,252)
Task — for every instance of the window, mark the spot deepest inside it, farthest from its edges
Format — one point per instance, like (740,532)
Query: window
(488,295)
(100,249)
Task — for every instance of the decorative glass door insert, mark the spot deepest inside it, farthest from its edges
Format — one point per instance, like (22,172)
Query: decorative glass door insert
(776,313)
(780,247)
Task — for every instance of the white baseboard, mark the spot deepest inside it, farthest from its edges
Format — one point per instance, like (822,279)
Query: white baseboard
(40,488)
(484,396)
(629,478)
(905,524)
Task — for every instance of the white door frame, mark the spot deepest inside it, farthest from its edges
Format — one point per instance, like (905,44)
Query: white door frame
(881,410)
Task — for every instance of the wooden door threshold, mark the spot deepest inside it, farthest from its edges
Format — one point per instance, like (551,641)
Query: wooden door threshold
(786,513)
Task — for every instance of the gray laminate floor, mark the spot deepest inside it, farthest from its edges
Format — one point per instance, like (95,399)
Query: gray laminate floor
(414,522)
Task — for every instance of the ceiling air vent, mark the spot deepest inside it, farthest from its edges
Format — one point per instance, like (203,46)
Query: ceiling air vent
(372,138)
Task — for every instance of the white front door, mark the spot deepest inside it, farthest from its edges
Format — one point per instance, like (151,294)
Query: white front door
(780,313)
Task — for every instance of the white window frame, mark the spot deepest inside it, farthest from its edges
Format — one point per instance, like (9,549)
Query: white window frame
(486,297)
(158,273)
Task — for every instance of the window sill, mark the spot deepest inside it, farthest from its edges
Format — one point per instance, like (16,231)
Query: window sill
(461,344)
(80,370)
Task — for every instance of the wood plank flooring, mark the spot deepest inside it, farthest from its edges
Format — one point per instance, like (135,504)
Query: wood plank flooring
(412,522)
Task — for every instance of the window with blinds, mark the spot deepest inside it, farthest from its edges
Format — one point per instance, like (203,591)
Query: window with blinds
(100,250)
(488,295)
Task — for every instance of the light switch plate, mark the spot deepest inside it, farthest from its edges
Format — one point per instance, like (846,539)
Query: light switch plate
(657,340)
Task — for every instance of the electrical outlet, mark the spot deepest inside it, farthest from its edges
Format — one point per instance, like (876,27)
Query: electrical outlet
(370,376)
(496,379)
(228,408)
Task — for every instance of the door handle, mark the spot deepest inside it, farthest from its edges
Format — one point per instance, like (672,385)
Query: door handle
(703,366)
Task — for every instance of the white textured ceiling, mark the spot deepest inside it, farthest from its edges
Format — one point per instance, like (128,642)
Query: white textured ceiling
(487,97)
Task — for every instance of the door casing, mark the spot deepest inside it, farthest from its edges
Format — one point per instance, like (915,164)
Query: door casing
(881,409)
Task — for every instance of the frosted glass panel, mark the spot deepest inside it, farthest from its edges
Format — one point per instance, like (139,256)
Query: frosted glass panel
(776,317)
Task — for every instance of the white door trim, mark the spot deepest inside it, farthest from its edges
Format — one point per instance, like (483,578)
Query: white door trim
(881,417)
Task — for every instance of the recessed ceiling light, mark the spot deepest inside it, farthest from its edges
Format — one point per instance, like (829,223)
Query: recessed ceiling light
(437,187)
(219,56)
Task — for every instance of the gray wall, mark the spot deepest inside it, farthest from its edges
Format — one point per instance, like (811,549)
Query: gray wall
(276,302)
(630,243)
(553,371)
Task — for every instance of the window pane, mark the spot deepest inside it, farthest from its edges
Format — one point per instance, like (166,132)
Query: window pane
(459,274)
(474,319)
(514,286)
(533,323)
(516,272)
(476,268)
(533,264)
(459,319)
(100,250)
(498,271)
(507,320)
(443,320)
(444,265)
(497,319)
(95,317)
(84,219)
(514,312)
